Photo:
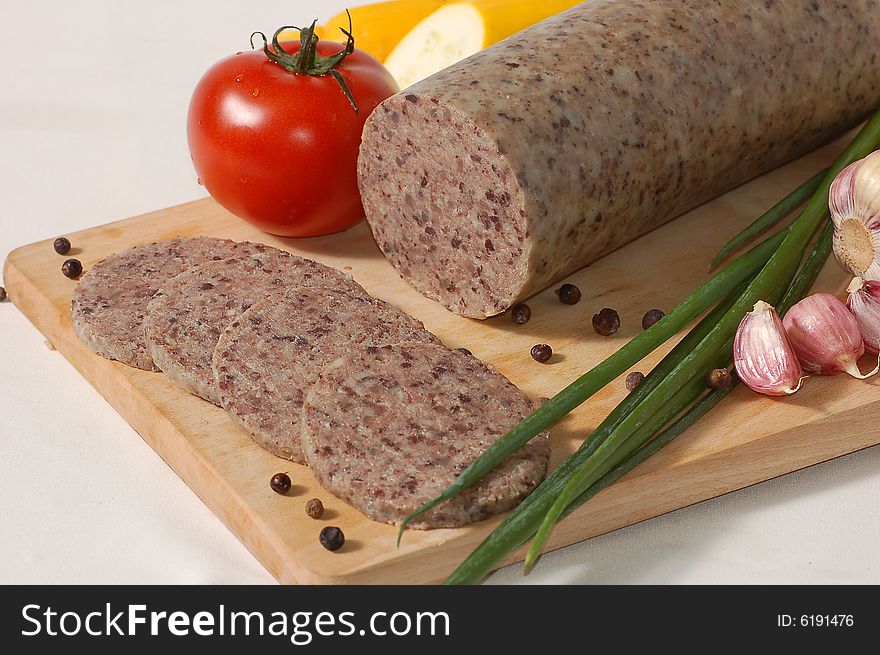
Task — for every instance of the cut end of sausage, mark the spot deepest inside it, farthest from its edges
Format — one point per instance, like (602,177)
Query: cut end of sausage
(444,205)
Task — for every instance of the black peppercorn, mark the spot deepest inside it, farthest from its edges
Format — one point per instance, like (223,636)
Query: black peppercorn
(606,322)
(541,352)
(464,350)
(61,245)
(280,483)
(2,294)
(315,508)
(634,379)
(718,378)
(651,317)
(72,268)
(569,294)
(520,313)
(332,538)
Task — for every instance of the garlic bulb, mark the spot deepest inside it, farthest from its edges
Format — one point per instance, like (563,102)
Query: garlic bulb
(854,201)
(825,336)
(763,355)
(864,303)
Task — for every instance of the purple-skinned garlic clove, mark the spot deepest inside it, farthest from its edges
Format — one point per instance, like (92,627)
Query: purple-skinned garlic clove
(763,355)
(864,302)
(825,336)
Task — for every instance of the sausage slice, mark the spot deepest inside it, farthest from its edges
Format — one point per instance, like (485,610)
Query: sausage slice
(388,428)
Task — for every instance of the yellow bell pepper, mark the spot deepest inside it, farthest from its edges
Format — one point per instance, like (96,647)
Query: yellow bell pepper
(460,29)
(380,26)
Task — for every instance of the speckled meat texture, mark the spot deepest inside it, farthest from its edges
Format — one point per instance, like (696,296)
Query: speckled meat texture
(268,357)
(187,315)
(110,301)
(389,428)
(492,179)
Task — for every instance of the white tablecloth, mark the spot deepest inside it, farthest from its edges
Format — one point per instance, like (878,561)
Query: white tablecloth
(92,106)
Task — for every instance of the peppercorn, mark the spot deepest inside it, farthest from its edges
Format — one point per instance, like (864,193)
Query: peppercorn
(541,352)
(315,508)
(634,379)
(61,245)
(72,268)
(520,313)
(606,322)
(332,538)
(464,350)
(280,483)
(718,378)
(2,294)
(569,294)
(651,316)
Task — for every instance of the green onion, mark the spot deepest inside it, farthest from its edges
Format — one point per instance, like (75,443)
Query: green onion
(771,217)
(731,276)
(769,285)
(798,289)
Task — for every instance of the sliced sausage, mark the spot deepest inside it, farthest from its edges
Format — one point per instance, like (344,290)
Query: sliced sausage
(389,428)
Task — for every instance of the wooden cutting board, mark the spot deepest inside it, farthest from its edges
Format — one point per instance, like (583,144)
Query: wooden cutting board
(747,439)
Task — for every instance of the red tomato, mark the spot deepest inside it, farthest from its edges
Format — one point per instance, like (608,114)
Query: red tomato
(279,149)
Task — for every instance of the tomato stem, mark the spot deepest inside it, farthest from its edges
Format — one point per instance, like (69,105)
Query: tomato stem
(309,49)
(307,61)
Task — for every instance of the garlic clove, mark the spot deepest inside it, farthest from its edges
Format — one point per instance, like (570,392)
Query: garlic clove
(854,201)
(825,336)
(763,355)
(864,303)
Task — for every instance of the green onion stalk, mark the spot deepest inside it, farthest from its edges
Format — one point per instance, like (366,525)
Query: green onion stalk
(671,392)
(771,217)
(769,285)
(799,288)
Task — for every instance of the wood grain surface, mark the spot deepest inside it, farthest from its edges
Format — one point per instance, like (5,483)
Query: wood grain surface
(747,439)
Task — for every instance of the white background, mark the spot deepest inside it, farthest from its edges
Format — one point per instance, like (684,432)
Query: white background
(93,97)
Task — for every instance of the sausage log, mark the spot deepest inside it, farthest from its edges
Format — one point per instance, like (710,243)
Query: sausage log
(500,175)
